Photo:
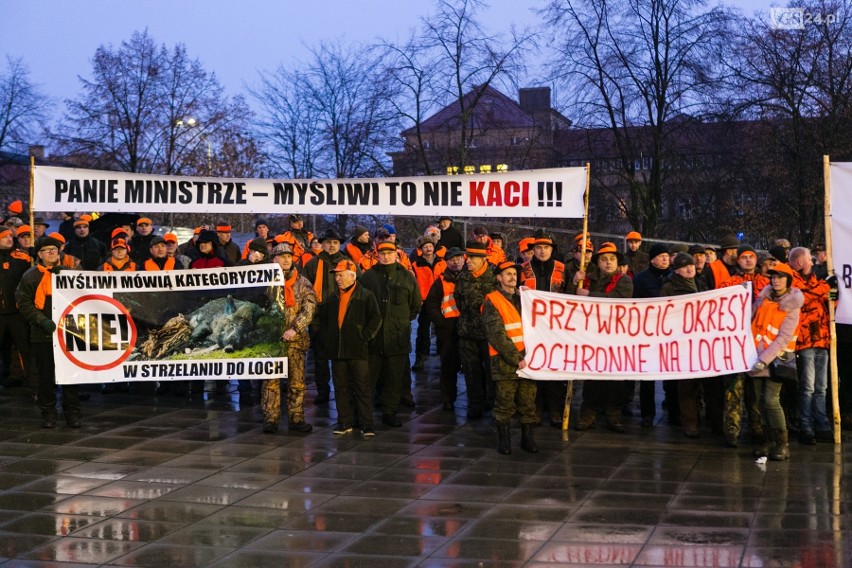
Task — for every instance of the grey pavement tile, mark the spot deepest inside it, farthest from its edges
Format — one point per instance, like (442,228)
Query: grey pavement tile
(215,535)
(732,503)
(36,466)
(512,529)
(26,501)
(285,500)
(48,524)
(481,493)
(108,441)
(66,452)
(248,558)
(310,484)
(169,475)
(349,560)
(373,488)
(132,489)
(128,530)
(111,472)
(83,550)
(318,520)
(208,495)
(21,449)
(828,554)
(488,550)
(269,467)
(94,506)
(394,545)
(170,511)
(241,480)
(17,480)
(307,541)
(422,526)
(155,554)
(567,500)
(238,516)
(64,484)
(135,456)
(202,461)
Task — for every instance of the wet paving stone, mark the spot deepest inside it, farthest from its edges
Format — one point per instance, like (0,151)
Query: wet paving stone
(154,483)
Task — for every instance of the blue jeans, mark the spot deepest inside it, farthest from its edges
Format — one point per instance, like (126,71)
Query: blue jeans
(812,365)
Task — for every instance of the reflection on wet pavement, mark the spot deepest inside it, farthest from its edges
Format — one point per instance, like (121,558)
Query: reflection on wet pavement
(193,482)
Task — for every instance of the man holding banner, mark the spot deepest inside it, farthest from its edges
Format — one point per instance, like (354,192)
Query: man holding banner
(35,300)
(297,302)
(606,282)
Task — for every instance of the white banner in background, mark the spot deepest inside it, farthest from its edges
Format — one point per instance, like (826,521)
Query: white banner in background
(553,193)
(681,337)
(841,237)
(213,323)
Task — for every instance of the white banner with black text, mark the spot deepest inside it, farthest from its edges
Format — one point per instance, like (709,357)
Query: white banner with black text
(550,193)
(207,324)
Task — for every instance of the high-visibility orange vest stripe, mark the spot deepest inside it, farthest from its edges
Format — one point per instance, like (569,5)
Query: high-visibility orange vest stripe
(448,301)
(511,320)
(767,323)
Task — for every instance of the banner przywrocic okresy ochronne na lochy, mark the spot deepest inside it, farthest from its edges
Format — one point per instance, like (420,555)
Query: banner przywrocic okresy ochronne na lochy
(682,337)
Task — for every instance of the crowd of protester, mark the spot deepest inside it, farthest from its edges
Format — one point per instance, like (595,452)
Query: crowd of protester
(351,302)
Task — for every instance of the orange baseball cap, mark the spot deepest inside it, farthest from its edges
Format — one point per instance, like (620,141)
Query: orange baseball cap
(345,265)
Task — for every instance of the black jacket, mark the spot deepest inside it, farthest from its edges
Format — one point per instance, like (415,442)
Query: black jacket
(13,264)
(451,237)
(25,297)
(91,252)
(649,282)
(360,324)
(399,302)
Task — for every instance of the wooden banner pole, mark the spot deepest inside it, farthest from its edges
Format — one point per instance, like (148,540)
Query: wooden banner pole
(832,349)
(569,392)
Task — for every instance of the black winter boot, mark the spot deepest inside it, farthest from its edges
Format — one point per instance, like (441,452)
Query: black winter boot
(504,438)
(527,441)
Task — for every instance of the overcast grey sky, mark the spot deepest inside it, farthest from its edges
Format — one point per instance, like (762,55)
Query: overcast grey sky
(57,38)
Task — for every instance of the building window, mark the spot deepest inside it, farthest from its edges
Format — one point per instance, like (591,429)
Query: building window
(485,169)
(452,170)
(502,167)
(470,169)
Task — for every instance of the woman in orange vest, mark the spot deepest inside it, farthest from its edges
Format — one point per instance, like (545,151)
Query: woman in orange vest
(774,324)
(501,317)
(440,305)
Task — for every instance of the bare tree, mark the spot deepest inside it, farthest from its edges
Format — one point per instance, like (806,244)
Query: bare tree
(798,84)
(148,109)
(637,68)
(451,60)
(331,118)
(23,109)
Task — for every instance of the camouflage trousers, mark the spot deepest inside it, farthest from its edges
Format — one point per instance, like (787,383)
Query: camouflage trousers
(270,391)
(739,391)
(515,394)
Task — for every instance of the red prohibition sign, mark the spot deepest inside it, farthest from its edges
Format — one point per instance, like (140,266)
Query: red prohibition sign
(121,309)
